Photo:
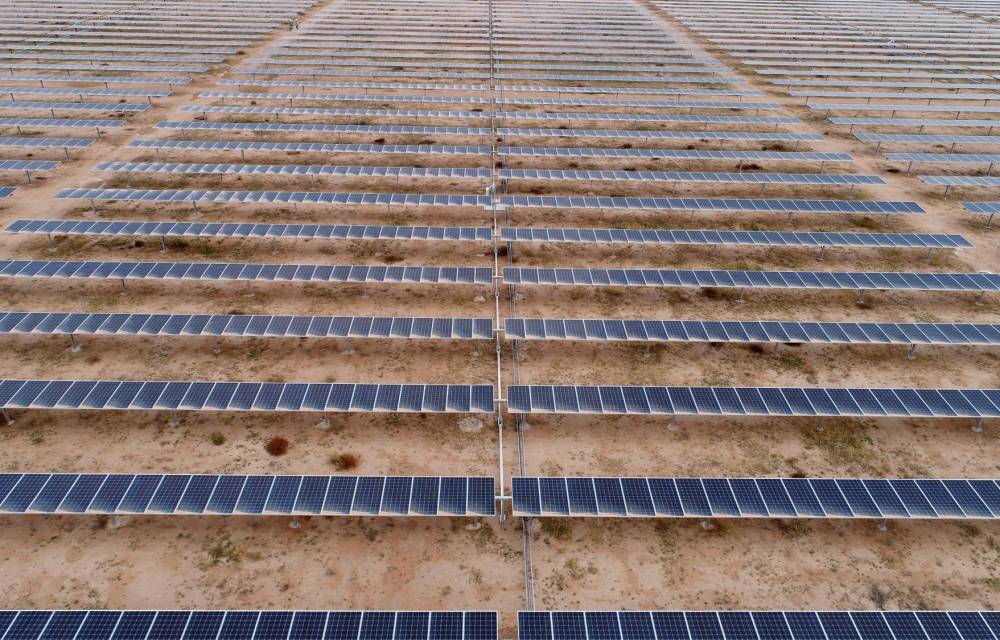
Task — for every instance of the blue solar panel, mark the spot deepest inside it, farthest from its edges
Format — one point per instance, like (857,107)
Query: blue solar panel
(750,497)
(750,625)
(254,495)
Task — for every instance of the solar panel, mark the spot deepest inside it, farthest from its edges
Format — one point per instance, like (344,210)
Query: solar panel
(685,154)
(220,325)
(588,102)
(28,165)
(686,91)
(961,181)
(916,122)
(918,138)
(246,396)
(955,158)
(832,280)
(867,106)
(65,143)
(247,230)
(660,135)
(751,238)
(744,498)
(502,115)
(754,401)
(59,122)
(6,192)
(780,332)
(80,91)
(825,179)
(230,495)
(103,79)
(248,272)
(309,147)
(195,125)
(716,204)
(714,625)
(117,107)
(297,169)
(138,68)
(343,97)
(296,197)
(989,208)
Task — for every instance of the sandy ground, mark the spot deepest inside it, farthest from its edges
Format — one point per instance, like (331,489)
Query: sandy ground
(461,564)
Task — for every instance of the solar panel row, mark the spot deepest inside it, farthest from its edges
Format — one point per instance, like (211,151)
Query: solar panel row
(299,197)
(103,624)
(713,237)
(842,280)
(754,401)
(251,272)
(298,169)
(115,107)
(502,115)
(825,179)
(755,497)
(325,147)
(245,396)
(716,204)
(248,230)
(758,625)
(59,122)
(45,322)
(124,493)
(749,331)
(65,143)
(195,125)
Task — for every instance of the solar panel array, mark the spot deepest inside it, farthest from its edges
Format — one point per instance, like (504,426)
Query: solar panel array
(780,625)
(182,324)
(252,272)
(249,230)
(711,237)
(245,396)
(367,80)
(755,497)
(858,280)
(781,332)
(754,401)
(243,624)
(123,493)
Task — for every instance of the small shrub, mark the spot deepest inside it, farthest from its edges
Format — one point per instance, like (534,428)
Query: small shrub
(277,446)
(557,528)
(217,438)
(344,461)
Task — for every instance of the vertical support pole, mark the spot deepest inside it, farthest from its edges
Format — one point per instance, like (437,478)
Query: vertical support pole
(74,346)
(48,237)
(978,427)
(861,296)
(882,526)
(7,419)
(777,350)
(122,281)
(822,424)
(740,301)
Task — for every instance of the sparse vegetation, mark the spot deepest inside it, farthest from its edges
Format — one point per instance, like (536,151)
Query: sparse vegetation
(217,438)
(556,528)
(225,551)
(344,461)
(277,446)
